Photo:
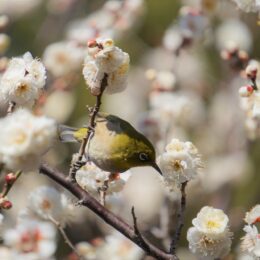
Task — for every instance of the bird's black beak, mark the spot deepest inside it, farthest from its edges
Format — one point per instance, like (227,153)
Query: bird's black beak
(157,168)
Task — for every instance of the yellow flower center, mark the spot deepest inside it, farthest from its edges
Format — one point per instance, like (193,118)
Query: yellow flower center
(46,205)
(21,89)
(177,165)
(212,224)
(19,138)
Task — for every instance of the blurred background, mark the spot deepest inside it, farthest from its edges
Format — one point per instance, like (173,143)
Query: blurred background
(165,57)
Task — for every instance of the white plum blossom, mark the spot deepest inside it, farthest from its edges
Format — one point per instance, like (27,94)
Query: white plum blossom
(235,33)
(163,80)
(248,5)
(92,179)
(24,138)
(256,106)
(32,240)
(105,58)
(180,163)
(251,241)
(23,80)
(49,204)
(61,58)
(210,238)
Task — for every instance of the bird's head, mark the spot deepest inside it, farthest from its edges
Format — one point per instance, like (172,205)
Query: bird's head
(145,154)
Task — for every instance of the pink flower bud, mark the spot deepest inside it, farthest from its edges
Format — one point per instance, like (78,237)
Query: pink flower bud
(92,43)
(246,91)
(6,204)
(10,178)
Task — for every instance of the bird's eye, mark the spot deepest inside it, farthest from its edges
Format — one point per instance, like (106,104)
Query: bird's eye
(143,157)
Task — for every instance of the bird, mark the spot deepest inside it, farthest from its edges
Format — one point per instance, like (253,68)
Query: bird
(116,146)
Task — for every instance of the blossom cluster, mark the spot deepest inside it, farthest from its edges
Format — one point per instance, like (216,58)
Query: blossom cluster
(180,163)
(24,138)
(23,80)
(251,241)
(210,237)
(105,59)
(93,179)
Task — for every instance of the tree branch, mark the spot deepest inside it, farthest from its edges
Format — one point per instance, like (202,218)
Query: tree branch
(91,128)
(180,221)
(110,218)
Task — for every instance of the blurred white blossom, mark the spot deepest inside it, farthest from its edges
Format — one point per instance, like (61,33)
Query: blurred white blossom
(23,80)
(24,138)
(49,204)
(233,32)
(210,237)
(61,58)
(253,215)
(31,239)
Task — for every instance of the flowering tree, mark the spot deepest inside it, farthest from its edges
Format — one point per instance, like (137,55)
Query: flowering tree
(195,208)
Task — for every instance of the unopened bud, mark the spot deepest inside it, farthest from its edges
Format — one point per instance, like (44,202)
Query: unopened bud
(10,178)
(5,203)
(92,43)
(246,91)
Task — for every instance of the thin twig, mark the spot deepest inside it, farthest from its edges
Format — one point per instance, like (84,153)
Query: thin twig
(91,128)
(138,234)
(64,235)
(11,107)
(109,217)
(254,85)
(180,220)
(8,186)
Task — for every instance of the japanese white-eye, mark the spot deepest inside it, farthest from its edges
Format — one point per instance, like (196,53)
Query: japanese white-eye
(116,145)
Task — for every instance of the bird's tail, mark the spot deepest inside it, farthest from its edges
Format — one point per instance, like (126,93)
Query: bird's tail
(69,134)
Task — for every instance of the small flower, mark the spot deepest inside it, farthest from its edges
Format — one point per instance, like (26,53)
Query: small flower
(61,58)
(253,215)
(47,202)
(23,80)
(179,163)
(105,58)
(251,241)
(256,106)
(24,138)
(92,179)
(210,221)
(31,240)
(210,237)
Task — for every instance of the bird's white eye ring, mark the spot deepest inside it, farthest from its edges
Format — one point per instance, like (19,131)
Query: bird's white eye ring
(143,156)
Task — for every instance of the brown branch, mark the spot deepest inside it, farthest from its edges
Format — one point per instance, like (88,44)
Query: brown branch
(8,185)
(91,128)
(110,218)
(180,221)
